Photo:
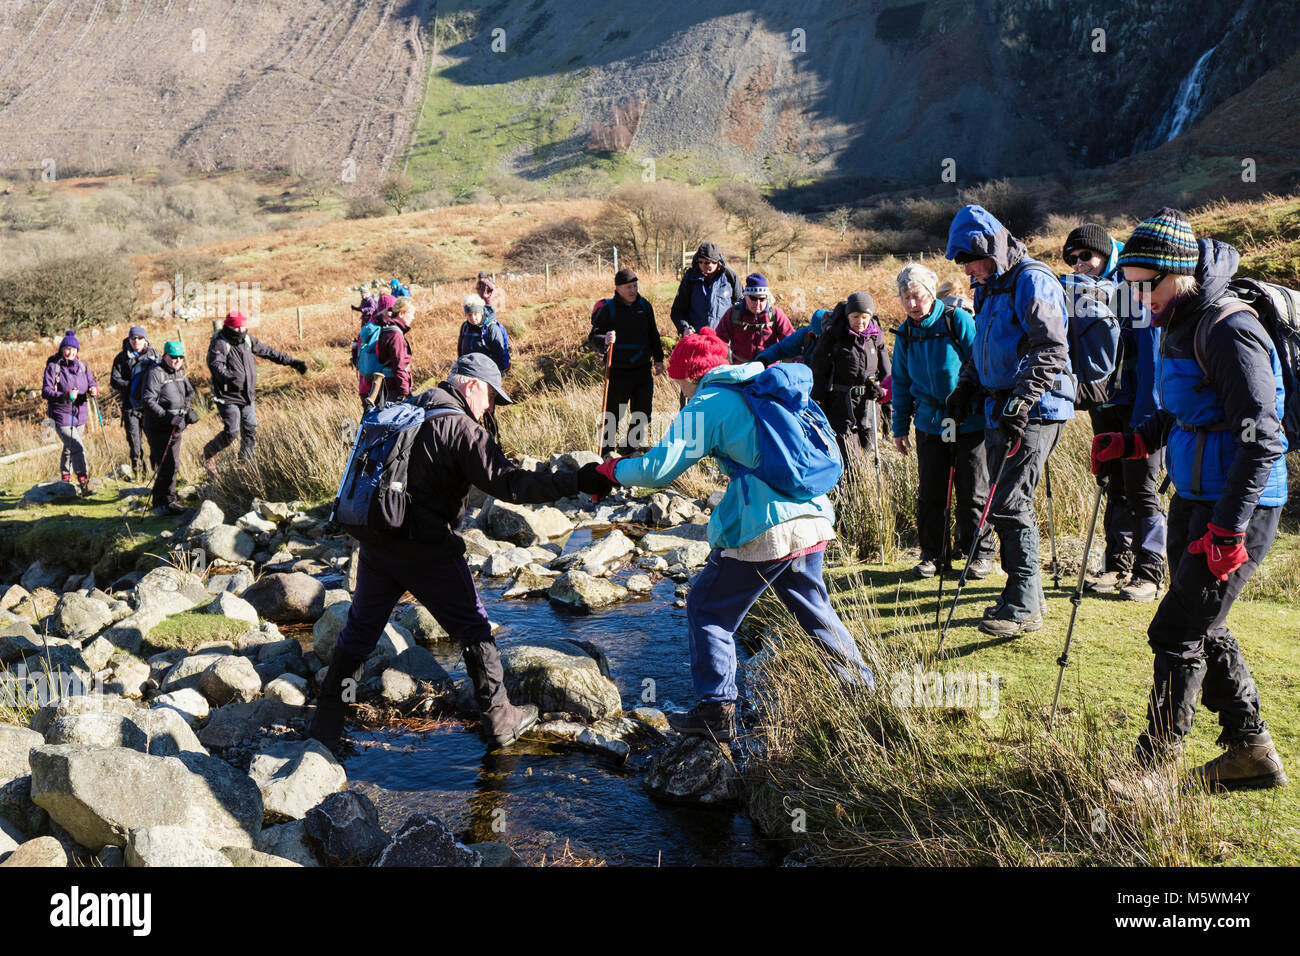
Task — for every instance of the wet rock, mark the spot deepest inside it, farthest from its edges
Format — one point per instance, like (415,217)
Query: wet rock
(693,770)
(640,584)
(170,846)
(601,738)
(651,716)
(680,537)
(237,722)
(231,678)
(344,830)
(526,524)
(559,677)
(295,776)
(287,598)
(77,617)
(44,851)
(288,841)
(235,582)
(595,559)
(496,854)
(235,608)
(424,840)
(532,580)
(580,591)
(422,625)
(209,516)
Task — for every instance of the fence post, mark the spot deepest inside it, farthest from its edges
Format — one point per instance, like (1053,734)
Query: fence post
(787,263)
(683,255)
(179,337)
(747,266)
(615,248)
(548,277)
(859,262)
(656,262)
(300,324)
(826,261)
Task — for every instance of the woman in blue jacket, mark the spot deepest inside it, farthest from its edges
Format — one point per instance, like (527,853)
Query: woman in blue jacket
(1220,425)
(929,349)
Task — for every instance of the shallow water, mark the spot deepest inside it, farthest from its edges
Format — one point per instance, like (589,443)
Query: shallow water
(536,796)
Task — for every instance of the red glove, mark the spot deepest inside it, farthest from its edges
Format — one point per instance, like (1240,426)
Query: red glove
(887,384)
(607,467)
(1109,446)
(1225,551)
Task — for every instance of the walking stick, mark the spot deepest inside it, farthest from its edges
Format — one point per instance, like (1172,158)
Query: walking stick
(603,424)
(1077,597)
(880,501)
(947,537)
(94,403)
(975,543)
(1051,524)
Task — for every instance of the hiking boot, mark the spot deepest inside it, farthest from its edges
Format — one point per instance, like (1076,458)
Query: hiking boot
(1103,583)
(169,509)
(332,702)
(84,487)
(1141,590)
(1006,627)
(1252,764)
(992,610)
(979,569)
(716,720)
(503,725)
(502,722)
(926,569)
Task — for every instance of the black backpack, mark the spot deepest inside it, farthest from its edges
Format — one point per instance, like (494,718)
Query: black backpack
(135,393)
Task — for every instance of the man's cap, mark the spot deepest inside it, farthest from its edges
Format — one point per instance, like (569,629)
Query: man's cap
(175,349)
(137,331)
(479,366)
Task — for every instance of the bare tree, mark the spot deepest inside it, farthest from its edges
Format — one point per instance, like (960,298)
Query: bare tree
(397,190)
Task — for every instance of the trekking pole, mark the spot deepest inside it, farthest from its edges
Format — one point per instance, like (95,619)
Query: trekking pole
(880,501)
(1077,598)
(947,537)
(94,403)
(975,543)
(1051,524)
(603,423)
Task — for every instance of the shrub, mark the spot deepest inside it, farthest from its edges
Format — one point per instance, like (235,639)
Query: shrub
(70,292)
(414,263)
(366,206)
(398,190)
(645,219)
(564,241)
(767,232)
(1015,208)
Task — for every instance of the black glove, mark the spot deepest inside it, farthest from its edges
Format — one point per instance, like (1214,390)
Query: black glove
(958,404)
(873,390)
(592,482)
(178,423)
(192,416)
(299,366)
(1014,419)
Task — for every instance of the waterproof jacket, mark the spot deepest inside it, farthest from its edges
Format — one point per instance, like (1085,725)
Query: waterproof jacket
(123,365)
(230,362)
(798,346)
(62,377)
(636,336)
(699,301)
(1020,322)
(842,361)
(718,422)
(1135,386)
(750,334)
(452,452)
(487,337)
(165,394)
(1222,429)
(392,358)
(927,361)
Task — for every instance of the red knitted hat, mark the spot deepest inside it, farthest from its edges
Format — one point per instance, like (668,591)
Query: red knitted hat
(235,320)
(697,353)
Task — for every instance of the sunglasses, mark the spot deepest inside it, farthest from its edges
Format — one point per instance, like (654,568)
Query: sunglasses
(1078,257)
(756,298)
(1148,284)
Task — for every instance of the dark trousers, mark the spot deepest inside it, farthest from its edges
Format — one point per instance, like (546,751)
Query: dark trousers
(1134,521)
(131,423)
(1194,650)
(238,421)
(164,451)
(1011,512)
(632,390)
(934,456)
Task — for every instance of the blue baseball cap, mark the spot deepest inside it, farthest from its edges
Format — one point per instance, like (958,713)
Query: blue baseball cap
(479,366)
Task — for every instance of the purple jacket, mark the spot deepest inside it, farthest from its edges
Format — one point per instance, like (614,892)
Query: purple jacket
(61,377)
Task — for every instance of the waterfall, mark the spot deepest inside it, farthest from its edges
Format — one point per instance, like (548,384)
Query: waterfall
(1186,103)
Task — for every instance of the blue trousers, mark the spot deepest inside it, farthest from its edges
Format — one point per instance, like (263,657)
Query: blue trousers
(724,592)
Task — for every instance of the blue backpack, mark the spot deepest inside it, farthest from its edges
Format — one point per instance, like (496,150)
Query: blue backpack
(797,454)
(505,345)
(367,357)
(373,495)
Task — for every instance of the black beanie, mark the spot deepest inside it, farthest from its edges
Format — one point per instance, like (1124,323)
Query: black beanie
(860,302)
(1088,236)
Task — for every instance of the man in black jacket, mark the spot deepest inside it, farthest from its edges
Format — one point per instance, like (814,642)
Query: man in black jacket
(626,323)
(234,380)
(166,397)
(427,558)
(707,290)
(135,349)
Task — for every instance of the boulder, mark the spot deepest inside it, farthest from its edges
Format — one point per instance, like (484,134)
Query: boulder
(502,563)
(344,830)
(559,676)
(276,511)
(579,591)
(170,845)
(44,851)
(424,840)
(12,596)
(235,608)
(496,854)
(295,776)
(231,678)
(97,653)
(526,524)
(46,716)
(287,598)
(187,702)
(574,460)
(680,537)
(478,543)
(187,671)
(78,617)
(287,689)
(693,770)
(532,580)
(335,595)
(255,524)
(596,558)
(288,841)
(650,715)
(167,731)
(237,722)
(169,591)
(273,650)
(234,582)
(640,584)
(99,795)
(209,516)
(325,632)
(130,633)
(668,509)
(17,640)
(130,674)
(227,543)
(243,857)
(10,838)
(693,555)
(414,673)
(97,730)
(422,625)
(601,738)
(16,806)
(39,575)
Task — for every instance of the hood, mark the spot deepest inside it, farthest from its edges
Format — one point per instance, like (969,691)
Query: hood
(1215,267)
(732,374)
(394,320)
(977,232)
(818,317)
(711,250)
(1116,247)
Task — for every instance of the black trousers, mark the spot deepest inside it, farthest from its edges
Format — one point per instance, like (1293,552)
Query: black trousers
(1134,520)
(131,421)
(163,459)
(632,390)
(970,491)
(238,421)
(1194,650)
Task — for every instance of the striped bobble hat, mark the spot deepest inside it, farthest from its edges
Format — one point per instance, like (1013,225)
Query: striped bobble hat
(1165,243)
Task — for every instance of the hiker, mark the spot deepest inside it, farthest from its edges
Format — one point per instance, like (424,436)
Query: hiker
(135,349)
(850,365)
(707,291)
(451,452)
(234,381)
(66,386)
(1134,520)
(755,323)
(379,306)
(759,537)
(487,290)
(1230,483)
(165,398)
(481,332)
(1021,361)
(929,349)
(626,322)
(797,347)
(397,290)
(384,357)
